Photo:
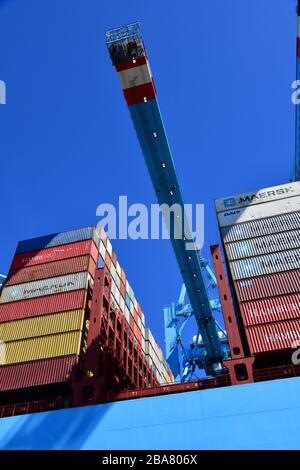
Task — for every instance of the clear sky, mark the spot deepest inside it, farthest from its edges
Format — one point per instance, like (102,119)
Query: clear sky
(223,71)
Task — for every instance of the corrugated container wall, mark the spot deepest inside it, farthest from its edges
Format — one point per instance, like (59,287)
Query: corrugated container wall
(55,239)
(261,237)
(37,373)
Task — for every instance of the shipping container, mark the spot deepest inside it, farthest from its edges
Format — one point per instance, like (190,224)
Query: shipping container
(267,264)
(267,286)
(262,227)
(263,245)
(45,287)
(37,373)
(258,197)
(43,347)
(55,239)
(57,253)
(260,211)
(53,269)
(273,336)
(275,309)
(74,300)
(61,322)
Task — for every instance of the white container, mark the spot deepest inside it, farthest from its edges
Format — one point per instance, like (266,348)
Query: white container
(109,247)
(260,196)
(102,250)
(127,314)
(259,211)
(118,281)
(267,264)
(263,245)
(122,304)
(119,270)
(261,227)
(53,285)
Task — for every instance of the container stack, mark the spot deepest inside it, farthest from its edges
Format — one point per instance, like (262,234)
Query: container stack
(45,310)
(44,317)
(124,299)
(261,238)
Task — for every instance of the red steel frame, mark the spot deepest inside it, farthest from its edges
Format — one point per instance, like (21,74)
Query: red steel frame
(114,358)
(240,367)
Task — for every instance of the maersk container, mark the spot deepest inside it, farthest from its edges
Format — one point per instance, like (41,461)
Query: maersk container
(43,305)
(267,264)
(57,253)
(268,286)
(275,309)
(258,197)
(263,245)
(43,347)
(61,322)
(261,227)
(54,285)
(37,373)
(260,211)
(53,269)
(273,337)
(55,239)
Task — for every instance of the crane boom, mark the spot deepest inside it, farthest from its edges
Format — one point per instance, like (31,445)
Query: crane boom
(129,57)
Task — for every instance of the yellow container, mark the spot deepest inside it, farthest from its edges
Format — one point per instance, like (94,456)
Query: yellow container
(43,347)
(41,326)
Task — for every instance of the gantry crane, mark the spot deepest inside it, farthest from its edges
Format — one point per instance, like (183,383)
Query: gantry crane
(128,54)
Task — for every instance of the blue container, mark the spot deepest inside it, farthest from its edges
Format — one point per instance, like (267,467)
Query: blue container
(55,239)
(127,300)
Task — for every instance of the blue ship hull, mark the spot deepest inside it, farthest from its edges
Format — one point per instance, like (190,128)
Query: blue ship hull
(263,415)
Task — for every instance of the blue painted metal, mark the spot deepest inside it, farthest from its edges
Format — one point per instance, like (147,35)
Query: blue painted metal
(184,361)
(263,415)
(2,279)
(152,136)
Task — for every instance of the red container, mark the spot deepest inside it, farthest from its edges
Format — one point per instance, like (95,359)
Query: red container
(275,309)
(114,258)
(56,253)
(53,269)
(107,261)
(268,286)
(36,373)
(123,290)
(43,305)
(273,337)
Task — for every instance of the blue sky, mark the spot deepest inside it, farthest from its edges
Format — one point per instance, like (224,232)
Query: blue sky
(223,72)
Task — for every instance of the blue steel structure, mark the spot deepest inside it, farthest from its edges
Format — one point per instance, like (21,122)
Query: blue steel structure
(184,361)
(2,278)
(127,52)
